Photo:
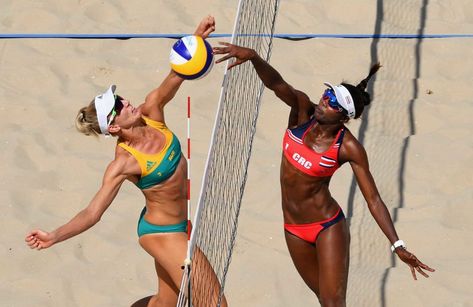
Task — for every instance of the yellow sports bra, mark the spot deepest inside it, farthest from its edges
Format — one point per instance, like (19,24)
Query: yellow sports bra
(155,168)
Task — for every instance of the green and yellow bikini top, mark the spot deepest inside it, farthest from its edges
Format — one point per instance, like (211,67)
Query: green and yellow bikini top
(155,168)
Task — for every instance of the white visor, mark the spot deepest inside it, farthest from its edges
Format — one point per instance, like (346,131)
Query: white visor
(343,98)
(104,104)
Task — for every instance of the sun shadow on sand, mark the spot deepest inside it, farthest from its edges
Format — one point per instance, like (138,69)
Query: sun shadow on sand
(383,19)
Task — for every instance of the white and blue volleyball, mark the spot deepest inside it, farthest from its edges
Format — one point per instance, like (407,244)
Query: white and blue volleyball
(191,57)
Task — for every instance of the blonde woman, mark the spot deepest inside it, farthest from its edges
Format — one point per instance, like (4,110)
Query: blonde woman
(149,155)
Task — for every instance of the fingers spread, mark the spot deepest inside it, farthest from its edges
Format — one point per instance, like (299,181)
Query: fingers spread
(426,267)
(223,59)
(422,272)
(218,50)
(413,272)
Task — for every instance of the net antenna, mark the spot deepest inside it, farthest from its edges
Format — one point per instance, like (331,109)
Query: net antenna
(216,218)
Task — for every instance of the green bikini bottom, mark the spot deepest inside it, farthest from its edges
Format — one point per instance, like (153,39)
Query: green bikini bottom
(146,228)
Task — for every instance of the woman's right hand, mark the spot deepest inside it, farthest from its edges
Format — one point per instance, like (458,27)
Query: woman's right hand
(38,239)
(205,27)
(241,54)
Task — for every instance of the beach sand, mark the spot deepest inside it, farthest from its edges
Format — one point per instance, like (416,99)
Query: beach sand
(417,133)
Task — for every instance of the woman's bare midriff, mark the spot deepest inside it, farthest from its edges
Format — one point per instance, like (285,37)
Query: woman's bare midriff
(305,199)
(166,203)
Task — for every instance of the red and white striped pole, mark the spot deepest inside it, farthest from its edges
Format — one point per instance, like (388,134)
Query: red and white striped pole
(186,280)
(189,225)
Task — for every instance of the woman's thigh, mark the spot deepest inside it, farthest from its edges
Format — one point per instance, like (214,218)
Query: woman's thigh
(304,257)
(333,247)
(323,266)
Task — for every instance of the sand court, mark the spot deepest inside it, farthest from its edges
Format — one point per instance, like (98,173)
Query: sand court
(417,133)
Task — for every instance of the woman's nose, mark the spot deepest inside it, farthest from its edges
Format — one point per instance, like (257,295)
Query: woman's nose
(324,101)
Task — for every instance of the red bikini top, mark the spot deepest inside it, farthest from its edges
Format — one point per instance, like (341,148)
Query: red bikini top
(306,159)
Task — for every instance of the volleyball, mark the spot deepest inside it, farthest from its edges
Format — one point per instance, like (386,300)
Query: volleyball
(191,57)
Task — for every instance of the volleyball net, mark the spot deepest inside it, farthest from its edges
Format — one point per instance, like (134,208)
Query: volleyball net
(216,218)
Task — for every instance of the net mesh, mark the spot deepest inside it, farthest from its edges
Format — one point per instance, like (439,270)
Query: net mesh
(224,180)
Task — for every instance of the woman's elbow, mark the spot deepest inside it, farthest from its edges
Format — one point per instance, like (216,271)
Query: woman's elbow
(91,217)
(375,202)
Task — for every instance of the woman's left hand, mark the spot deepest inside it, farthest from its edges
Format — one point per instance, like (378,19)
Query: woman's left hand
(206,26)
(413,263)
(38,239)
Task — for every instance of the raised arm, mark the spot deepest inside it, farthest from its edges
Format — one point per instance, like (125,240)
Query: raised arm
(165,92)
(88,217)
(271,78)
(353,152)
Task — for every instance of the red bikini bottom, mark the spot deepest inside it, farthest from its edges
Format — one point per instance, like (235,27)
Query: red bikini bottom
(310,232)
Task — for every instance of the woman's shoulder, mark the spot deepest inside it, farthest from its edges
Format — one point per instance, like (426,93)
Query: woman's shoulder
(351,148)
(124,161)
(349,140)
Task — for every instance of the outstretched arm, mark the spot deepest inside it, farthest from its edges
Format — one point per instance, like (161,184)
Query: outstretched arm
(88,217)
(270,76)
(359,163)
(159,97)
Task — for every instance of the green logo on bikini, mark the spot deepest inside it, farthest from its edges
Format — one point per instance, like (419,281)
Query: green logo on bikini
(171,156)
(149,165)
